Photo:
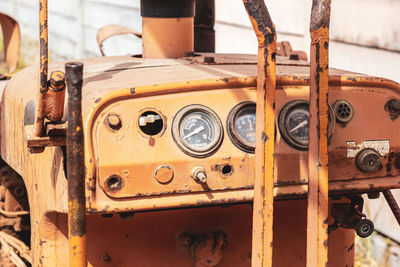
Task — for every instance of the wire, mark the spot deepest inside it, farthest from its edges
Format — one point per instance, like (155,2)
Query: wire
(13,213)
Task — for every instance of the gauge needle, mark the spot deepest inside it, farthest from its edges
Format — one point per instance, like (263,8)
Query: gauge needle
(301,124)
(201,128)
(251,126)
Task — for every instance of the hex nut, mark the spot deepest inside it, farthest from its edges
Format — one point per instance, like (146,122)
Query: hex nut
(57,79)
(199,174)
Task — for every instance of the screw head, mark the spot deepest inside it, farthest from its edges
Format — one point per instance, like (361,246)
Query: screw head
(105,258)
(114,122)
(209,60)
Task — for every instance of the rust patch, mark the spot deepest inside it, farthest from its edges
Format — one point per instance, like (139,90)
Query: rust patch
(393,108)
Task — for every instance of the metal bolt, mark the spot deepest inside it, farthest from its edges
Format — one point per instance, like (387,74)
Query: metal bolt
(209,60)
(188,54)
(114,122)
(373,195)
(105,258)
(57,79)
(199,174)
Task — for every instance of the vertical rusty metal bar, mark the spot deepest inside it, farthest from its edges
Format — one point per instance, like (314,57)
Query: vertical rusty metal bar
(75,167)
(263,207)
(392,204)
(44,61)
(317,210)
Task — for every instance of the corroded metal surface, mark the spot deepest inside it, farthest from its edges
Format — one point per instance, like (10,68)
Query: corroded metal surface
(317,211)
(75,167)
(263,205)
(44,61)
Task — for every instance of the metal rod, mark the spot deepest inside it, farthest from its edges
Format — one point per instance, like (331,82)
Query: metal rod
(75,167)
(317,209)
(263,207)
(44,61)
(392,204)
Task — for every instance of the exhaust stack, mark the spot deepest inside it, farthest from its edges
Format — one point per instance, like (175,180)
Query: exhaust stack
(167,28)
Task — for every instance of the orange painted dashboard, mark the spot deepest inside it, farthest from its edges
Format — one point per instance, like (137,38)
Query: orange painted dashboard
(189,143)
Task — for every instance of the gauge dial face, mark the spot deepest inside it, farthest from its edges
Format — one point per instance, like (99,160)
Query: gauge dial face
(242,126)
(297,125)
(197,130)
(293,123)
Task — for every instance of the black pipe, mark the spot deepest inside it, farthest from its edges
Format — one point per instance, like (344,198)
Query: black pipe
(75,162)
(204,20)
(167,8)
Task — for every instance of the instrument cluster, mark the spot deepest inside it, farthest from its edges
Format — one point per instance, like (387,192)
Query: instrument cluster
(198,131)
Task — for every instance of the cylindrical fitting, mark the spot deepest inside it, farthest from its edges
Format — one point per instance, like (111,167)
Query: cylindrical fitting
(167,28)
(204,33)
(368,160)
(76,167)
(199,174)
(55,97)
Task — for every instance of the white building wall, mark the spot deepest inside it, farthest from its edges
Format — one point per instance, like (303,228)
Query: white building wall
(365,33)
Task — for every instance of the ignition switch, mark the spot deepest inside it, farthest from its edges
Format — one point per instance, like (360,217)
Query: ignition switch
(199,174)
(368,160)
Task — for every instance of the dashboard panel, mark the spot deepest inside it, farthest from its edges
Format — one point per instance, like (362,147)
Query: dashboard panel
(164,163)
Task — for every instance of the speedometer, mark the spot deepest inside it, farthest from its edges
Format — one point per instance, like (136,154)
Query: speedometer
(241,126)
(197,130)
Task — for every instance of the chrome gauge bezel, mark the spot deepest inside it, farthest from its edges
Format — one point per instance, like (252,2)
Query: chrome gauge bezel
(183,145)
(283,127)
(235,137)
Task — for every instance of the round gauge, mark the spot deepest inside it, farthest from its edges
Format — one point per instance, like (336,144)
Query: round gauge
(293,123)
(241,126)
(197,130)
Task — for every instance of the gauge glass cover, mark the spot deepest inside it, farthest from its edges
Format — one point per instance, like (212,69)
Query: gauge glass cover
(297,125)
(293,123)
(242,126)
(197,130)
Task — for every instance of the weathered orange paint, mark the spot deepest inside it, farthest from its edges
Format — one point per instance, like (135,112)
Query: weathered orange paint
(317,210)
(167,37)
(101,96)
(263,202)
(44,61)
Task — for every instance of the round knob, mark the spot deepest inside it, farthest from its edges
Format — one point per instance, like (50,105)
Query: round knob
(368,160)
